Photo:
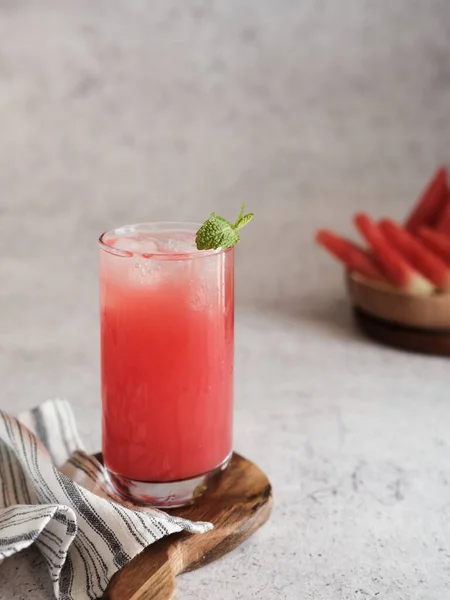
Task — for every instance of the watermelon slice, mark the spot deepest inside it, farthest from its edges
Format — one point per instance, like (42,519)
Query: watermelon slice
(438,242)
(350,254)
(422,259)
(443,224)
(396,269)
(430,204)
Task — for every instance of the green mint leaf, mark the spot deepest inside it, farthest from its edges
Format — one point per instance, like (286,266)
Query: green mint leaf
(242,220)
(217,232)
(222,220)
(241,215)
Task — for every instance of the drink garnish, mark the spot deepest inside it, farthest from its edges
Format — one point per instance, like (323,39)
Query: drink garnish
(217,232)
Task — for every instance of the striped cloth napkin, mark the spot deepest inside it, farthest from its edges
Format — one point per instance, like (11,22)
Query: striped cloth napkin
(55,495)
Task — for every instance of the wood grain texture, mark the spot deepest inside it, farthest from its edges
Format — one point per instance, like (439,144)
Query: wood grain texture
(414,340)
(238,503)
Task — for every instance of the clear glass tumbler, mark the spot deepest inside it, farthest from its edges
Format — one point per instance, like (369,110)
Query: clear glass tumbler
(167,353)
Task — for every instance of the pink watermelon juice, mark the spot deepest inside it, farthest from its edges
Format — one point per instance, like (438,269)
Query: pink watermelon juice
(167,330)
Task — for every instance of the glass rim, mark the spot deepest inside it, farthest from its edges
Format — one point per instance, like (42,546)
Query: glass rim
(170,225)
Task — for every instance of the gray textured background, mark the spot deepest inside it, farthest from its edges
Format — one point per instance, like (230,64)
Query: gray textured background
(115,111)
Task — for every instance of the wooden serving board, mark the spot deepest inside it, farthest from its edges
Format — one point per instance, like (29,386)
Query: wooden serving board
(237,503)
(407,338)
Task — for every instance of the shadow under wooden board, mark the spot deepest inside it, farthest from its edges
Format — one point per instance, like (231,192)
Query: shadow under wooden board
(415,340)
(238,503)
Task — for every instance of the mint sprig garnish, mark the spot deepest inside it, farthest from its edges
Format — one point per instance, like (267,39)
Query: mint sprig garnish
(217,232)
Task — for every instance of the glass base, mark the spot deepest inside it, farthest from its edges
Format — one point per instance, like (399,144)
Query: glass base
(170,494)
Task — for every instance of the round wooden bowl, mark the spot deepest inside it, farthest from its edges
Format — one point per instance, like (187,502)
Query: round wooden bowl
(418,323)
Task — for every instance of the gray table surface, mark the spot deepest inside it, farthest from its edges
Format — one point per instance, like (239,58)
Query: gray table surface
(115,112)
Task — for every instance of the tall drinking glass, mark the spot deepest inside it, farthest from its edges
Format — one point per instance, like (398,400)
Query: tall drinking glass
(167,345)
